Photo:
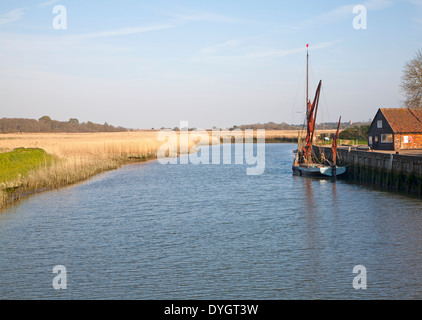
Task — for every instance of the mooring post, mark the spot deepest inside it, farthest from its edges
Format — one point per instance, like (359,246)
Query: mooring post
(333,172)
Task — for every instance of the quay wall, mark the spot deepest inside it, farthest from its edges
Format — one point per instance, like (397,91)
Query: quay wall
(388,171)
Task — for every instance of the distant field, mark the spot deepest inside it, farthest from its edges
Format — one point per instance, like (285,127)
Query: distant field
(293,133)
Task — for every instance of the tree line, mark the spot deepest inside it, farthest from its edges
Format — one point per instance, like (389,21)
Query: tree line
(46,124)
(285,126)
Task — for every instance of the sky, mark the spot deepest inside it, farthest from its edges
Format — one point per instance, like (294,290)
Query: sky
(151,64)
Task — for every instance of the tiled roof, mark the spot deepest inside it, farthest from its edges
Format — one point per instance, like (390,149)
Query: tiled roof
(404,120)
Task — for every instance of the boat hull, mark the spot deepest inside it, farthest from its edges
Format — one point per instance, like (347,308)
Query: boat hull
(317,171)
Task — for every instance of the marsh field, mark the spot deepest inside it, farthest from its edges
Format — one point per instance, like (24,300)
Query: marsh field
(31,162)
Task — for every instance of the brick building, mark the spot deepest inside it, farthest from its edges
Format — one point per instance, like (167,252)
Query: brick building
(396,129)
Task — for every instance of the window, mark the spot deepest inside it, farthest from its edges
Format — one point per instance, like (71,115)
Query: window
(376,138)
(379,124)
(387,138)
(370,140)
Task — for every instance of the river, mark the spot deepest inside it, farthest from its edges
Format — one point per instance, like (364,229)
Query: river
(198,231)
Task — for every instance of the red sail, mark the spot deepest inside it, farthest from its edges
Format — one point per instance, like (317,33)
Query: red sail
(309,119)
(334,147)
(311,122)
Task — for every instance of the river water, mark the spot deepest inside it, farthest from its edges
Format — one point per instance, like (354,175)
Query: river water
(154,231)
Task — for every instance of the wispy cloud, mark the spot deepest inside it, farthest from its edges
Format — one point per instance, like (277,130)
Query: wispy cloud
(124,31)
(286,52)
(235,52)
(48,3)
(218,47)
(416,2)
(191,15)
(12,15)
(342,12)
(378,4)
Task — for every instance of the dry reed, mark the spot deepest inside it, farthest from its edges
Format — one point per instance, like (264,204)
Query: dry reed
(77,156)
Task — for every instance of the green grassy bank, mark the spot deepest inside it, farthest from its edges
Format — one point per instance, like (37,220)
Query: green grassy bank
(16,164)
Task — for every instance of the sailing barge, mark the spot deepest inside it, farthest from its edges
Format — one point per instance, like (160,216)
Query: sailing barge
(305,162)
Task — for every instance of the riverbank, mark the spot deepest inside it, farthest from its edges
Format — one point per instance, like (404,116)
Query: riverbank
(65,159)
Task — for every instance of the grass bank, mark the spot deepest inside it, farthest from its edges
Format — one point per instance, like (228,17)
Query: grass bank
(15,166)
(19,162)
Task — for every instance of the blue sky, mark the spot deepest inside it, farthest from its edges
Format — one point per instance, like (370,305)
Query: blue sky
(143,64)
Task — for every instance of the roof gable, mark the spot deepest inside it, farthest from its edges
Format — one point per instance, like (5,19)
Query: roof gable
(373,128)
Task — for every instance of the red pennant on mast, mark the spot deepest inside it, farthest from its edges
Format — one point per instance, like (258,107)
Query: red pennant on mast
(307,45)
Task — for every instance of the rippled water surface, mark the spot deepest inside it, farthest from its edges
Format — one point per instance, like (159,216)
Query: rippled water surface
(153,231)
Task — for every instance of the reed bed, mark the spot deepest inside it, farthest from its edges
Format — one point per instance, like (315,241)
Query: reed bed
(293,134)
(76,157)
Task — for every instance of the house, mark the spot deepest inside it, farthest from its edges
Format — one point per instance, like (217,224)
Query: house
(396,129)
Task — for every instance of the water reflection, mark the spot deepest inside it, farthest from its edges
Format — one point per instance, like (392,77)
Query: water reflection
(309,195)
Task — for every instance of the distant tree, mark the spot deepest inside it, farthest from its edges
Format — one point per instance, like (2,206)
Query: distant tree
(45,118)
(73,121)
(356,132)
(46,124)
(412,81)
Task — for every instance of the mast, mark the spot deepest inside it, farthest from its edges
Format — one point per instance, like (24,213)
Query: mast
(311,112)
(307,78)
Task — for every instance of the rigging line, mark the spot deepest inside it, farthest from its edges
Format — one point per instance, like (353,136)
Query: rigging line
(326,105)
(314,81)
(299,85)
(321,111)
(297,94)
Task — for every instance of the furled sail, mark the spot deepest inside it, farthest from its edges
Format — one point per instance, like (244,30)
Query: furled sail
(334,146)
(311,122)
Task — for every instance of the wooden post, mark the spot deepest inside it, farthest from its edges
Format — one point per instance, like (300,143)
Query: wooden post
(333,172)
